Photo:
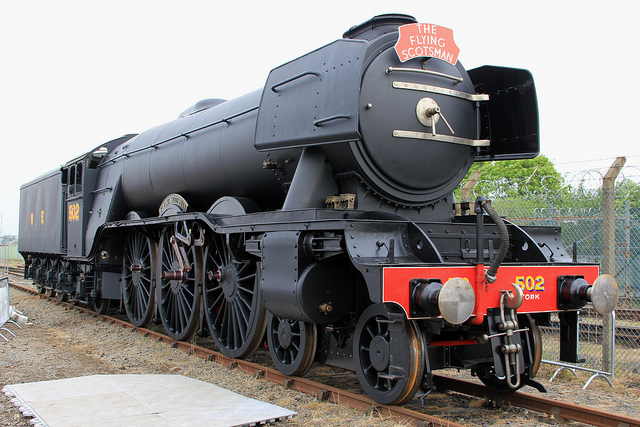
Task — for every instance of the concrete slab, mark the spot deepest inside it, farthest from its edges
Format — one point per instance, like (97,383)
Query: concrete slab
(138,400)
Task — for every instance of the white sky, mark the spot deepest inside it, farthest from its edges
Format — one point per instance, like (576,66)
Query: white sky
(74,74)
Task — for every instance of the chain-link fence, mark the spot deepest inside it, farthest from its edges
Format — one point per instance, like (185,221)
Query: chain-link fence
(577,207)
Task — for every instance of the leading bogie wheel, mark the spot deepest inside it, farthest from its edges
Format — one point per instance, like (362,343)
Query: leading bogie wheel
(101,305)
(232,305)
(178,280)
(292,344)
(138,270)
(388,355)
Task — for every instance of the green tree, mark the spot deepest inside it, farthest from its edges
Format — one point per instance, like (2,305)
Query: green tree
(512,178)
(518,188)
(628,190)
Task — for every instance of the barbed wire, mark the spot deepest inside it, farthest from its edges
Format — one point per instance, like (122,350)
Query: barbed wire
(582,182)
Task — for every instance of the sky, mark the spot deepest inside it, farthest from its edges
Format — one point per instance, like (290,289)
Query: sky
(74,74)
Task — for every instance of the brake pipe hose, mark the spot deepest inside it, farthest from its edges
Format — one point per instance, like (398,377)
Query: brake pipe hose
(490,275)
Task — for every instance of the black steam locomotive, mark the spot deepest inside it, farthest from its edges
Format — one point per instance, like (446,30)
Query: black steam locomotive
(319,211)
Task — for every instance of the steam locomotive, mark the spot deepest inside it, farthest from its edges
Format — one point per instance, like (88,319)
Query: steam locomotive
(319,211)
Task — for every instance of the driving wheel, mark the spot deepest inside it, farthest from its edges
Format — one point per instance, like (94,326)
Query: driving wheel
(178,289)
(138,263)
(233,309)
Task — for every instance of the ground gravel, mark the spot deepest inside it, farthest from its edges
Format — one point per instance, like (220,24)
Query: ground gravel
(62,343)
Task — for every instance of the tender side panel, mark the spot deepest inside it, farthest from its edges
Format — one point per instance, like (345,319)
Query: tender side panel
(41,215)
(538,282)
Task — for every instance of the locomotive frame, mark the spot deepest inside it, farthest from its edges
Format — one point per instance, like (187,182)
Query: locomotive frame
(318,212)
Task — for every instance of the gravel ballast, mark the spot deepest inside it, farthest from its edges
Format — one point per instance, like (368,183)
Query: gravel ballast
(63,343)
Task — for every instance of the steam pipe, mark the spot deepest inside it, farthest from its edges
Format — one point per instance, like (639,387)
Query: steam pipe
(490,274)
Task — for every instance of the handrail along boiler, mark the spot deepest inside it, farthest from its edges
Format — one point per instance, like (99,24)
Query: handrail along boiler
(319,211)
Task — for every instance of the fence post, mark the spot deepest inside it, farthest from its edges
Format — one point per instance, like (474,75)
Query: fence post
(627,248)
(609,255)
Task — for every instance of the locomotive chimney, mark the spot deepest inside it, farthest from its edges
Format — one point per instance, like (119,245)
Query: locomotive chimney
(377,26)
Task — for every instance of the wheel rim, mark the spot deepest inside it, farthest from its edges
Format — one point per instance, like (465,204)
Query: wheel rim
(57,270)
(233,309)
(50,289)
(35,266)
(137,278)
(178,290)
(292,344)
(380,349)
(535,339)
(101,305)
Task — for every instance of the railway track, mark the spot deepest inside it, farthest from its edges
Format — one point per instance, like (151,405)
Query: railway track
(561,411)
(16,271)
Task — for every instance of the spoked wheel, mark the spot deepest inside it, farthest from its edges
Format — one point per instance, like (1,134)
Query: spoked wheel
(178,290)
(61,295)
(532,357)
(101,305)
(235,314)
(35,266)
(56,283)
(292,344)
(138,263)
(50,290)
(389,355)
(58,280)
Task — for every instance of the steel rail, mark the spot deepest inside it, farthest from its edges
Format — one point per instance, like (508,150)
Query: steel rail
(320,391)
(562,411)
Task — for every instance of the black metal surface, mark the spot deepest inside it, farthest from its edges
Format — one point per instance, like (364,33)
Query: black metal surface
(388,355)
(312,182)
(510,118)
(572,292)
(424,297)
(138,278)
(295,286)
(405,170)
(378,26)
(292,345)
(217,160)
(178,295)
(232,306)
(313,99)
(569,336)
(41,215)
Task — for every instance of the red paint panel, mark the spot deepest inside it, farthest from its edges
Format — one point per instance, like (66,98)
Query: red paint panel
(539,283)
